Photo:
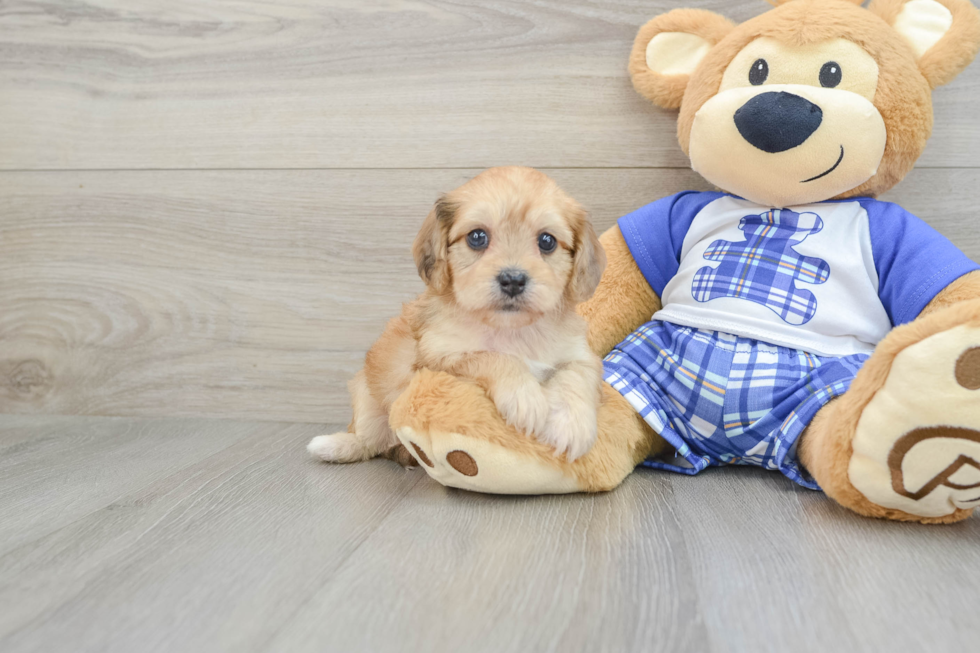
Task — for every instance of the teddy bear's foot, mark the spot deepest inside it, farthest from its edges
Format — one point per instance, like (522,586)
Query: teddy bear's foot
(454,459)
(455,432)
(917,444)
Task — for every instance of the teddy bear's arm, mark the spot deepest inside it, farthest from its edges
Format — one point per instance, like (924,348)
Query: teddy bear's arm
(964,288)
(622,302)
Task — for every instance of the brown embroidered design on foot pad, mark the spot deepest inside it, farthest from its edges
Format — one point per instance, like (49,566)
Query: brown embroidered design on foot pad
(909,440)
(968,369)
(462,462)
(421,455)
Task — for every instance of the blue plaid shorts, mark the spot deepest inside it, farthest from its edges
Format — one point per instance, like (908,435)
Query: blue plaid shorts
(719,399)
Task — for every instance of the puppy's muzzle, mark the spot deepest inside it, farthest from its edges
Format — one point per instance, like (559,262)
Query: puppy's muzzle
(512,281)
(777,121)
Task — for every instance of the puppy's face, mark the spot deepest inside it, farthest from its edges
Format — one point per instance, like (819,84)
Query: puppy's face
(509,247)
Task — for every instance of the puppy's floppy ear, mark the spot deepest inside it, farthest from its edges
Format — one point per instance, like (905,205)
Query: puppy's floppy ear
(589,261)
(944,35)
(668,49)
(431,248)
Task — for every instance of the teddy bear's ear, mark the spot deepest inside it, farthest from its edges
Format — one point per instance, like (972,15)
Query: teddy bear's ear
(944,35)
(668,49)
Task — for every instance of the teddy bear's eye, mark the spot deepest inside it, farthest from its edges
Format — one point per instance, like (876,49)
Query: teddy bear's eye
(830,74)
(758,72)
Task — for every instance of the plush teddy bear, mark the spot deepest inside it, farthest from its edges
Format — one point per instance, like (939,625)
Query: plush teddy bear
(790,320)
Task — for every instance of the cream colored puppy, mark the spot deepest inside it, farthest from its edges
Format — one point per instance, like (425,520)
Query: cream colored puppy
(505,258)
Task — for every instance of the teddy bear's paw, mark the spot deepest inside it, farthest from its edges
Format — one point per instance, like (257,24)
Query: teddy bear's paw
(571,428)
(475,464)
(523,405)
(338,448)
(917,443)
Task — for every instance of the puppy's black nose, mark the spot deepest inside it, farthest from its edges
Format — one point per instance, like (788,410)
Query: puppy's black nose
(512,281)
(777,121)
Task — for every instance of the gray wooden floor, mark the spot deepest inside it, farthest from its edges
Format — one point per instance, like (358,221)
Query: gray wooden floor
(206,209)
(127,534)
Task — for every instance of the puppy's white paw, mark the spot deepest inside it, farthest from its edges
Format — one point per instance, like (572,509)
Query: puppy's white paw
(524,406)
(337,448)
(572,427)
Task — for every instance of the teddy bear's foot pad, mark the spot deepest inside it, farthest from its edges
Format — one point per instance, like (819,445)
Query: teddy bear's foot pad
(473,464)
(917,444)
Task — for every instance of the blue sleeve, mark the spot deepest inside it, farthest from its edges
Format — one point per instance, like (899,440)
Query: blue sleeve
(655,234)
(914,261)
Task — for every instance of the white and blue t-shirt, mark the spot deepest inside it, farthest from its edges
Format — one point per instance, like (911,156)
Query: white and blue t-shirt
(830,278)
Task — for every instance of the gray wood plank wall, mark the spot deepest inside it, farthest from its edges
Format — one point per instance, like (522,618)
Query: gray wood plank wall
(206,207)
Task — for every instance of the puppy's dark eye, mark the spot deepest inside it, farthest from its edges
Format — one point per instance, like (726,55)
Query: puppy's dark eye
(830,74)
(547,243)
(758,72)
(477,239)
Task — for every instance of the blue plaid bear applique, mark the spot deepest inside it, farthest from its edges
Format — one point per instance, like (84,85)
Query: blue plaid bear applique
(764,268)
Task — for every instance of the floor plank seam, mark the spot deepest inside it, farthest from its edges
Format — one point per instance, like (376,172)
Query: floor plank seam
(134,491)
(339,567)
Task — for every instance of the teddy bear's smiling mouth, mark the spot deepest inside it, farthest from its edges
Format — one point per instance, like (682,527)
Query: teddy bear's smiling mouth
(827,172)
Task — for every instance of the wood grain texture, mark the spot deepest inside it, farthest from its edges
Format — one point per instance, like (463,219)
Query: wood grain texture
(205,211)
(174,564)
(252,294)
(351,83)
(59,470)
(255,547)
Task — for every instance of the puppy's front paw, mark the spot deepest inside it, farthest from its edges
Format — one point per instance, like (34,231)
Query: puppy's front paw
(338,448)
(572,427)
(523,405)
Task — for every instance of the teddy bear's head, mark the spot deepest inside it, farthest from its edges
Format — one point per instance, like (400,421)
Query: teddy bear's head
(812,100)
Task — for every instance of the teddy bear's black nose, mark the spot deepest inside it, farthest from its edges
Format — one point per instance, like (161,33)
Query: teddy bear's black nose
(777,121)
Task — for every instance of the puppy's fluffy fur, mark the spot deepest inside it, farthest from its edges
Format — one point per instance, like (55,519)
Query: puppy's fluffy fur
(529,350)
